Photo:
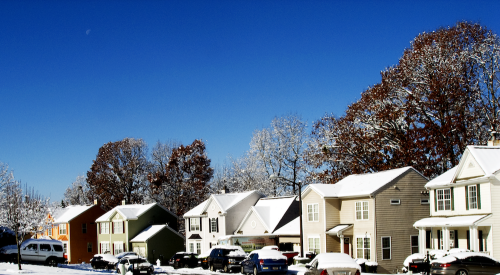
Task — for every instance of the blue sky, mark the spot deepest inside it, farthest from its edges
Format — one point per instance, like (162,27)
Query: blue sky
(77,74)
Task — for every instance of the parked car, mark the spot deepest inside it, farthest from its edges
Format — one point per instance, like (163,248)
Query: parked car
(270,247)
(103,261)
(227,258)
(119,256)
(49,252)
(333,263)
(136,263)
(203,259)
(465,263)
(183,259)
(264,261)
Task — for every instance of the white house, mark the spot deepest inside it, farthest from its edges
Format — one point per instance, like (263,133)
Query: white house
(463,205)
(218,216)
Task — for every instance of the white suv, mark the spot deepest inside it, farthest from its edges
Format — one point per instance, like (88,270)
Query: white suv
(50,252)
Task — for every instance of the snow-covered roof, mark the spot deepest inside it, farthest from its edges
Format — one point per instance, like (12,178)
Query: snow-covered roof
(358,185)
(129,211)
(224,201)
(444,179)
(450,221)
(65,215)
(291,228)
(336,260)
(270,211)
(150,231)
(339,228)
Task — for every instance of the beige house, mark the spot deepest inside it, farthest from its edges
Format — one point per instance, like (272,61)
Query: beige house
(367,216)
(463,205)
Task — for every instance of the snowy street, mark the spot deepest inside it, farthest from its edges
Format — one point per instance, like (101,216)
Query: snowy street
(79,269)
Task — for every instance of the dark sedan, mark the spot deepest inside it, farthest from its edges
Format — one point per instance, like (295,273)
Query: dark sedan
(103,261)
(183,259)
(465,263)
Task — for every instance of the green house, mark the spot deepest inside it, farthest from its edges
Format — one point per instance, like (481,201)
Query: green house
(117,227)
(152,243)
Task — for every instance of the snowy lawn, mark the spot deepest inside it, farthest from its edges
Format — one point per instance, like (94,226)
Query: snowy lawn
(80,269)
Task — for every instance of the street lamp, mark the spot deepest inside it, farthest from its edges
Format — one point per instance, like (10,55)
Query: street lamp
(273,177)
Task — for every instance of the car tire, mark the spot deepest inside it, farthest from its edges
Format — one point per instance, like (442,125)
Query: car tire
(51,262)
(462,272)
(255,271)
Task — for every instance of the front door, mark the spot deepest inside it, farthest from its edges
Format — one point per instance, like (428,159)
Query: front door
(347,242)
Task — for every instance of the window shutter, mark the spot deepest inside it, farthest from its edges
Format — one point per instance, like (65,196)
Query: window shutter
(217,223)
(435,201)
(467,197)
(452,199)
(189,224)
(100,248)
(209,225)
(478,193)
(113,252)
(112,228)
(468,239)
(123,227)
(200,225)
(456,238)
(480,238)
(99,228)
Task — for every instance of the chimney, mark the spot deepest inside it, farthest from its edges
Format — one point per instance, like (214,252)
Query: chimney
(494,139)
(225,190)
(123,202)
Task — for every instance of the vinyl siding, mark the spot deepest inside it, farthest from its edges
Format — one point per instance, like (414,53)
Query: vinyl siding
(396,221)
(460,202)
(494,220)
(361,228)
(332,209)
(247,226)
(471,169)
(314,228)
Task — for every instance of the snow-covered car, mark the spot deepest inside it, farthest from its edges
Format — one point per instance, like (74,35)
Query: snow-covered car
(135,264)
(49,252)
(264,261)
(333,263)
(103,261)
(465,263)
(270,247)
(226,258)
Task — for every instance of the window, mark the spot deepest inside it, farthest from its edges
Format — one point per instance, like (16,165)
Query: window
(314,245)
(104,247)
(104,227)
(191,247)
(395,201)
(84,228)
(62,229)
(49,232)
(386,248)
(89,247)
(472,196)
(65,248)
(118,247)
(361,210)
(45,247)
(195,224)
(118,227)
(198,248)
(363,248)
(443,199)
(312,212)
(32,247)
(424,201)
(195,247)
(213,225)
(414,244)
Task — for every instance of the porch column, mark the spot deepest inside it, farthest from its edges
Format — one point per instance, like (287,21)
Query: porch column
(421,240)
(474,243)
(341,243)
(446,238)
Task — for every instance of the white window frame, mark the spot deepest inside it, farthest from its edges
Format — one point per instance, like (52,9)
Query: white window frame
(195,224)
(395,201)
(104,227)
(472,194)
(195,247)
(443,199)
(104,246)
(364,249)
(313,212)
(362,210)
(116,226)
(118,248)
(386,248)
(412,245)
(213,225)
(314,244)
(424,201)
(62,229)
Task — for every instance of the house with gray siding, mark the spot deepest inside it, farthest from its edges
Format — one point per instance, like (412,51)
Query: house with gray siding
(367,216)
(464,202)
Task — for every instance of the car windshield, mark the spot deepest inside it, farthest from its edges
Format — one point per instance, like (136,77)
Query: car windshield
(137,261)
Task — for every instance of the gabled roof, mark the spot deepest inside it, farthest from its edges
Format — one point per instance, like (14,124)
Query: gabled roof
(359,185)
(270,211)
(130,211)
(65,215)
(224,201)
(487,157)
(150,231)
(291,228)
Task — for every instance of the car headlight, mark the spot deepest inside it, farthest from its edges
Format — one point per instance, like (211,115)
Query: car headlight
(232,261)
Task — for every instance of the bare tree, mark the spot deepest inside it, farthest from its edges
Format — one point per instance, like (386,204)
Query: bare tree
(78,193)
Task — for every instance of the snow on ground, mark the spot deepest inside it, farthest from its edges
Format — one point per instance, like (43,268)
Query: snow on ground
(81,269)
